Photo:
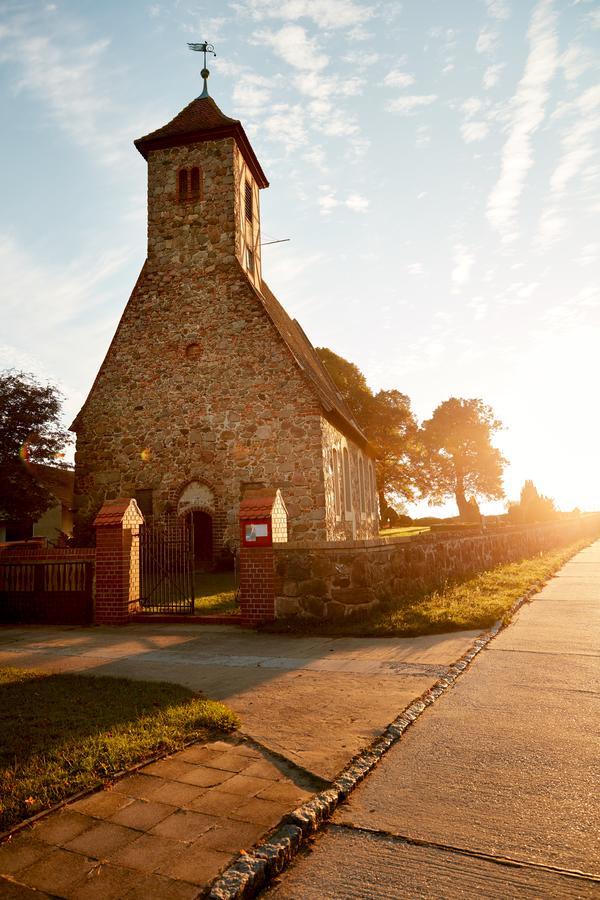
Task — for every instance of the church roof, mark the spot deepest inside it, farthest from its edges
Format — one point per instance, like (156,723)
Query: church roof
(202,120)
(334,405)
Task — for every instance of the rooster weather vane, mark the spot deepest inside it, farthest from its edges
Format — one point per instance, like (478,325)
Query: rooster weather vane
(204,48)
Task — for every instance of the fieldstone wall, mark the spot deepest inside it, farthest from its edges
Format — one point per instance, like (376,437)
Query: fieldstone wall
(361,521)
(334,580)
(197,385)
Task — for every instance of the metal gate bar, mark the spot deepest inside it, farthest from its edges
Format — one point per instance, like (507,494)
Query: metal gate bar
(167,567)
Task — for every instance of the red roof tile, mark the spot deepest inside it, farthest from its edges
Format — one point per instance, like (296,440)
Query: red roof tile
(112,512)
(257,502)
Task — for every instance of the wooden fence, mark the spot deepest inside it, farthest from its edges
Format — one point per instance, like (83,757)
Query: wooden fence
(51,587)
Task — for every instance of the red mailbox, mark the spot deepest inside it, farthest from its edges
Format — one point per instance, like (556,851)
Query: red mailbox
(257,532)
(263,518)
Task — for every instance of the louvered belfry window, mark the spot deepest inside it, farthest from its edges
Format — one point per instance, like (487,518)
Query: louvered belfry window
(183,184)
(248,201)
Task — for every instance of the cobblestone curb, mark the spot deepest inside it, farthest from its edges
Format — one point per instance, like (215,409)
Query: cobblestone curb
(253,870)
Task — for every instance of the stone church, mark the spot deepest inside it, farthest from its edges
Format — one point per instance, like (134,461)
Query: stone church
(208,386)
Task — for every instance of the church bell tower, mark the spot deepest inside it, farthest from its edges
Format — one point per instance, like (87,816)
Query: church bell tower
(203,190)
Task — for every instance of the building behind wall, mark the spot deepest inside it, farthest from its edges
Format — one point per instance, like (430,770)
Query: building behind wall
(208,385)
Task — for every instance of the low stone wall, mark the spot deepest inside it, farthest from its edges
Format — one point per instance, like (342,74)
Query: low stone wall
(332,580)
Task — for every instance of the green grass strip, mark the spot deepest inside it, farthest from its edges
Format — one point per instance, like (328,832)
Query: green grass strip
(60,734)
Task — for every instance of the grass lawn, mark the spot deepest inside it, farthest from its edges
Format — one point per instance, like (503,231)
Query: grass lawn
(60,734)
(405,531)
(215,593)
(471,603)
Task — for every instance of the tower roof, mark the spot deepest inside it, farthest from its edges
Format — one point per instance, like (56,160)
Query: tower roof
(202,120)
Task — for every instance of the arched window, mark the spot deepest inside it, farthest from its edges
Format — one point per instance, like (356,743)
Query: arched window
(337,500)
(182,184)
(361,483)
(347,483)
(373,486)
(195,182)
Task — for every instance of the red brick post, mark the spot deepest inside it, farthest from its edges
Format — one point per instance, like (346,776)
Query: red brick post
(263,520)
(117,561)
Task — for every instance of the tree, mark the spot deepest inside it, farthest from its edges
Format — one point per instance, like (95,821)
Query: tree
(532,506)
(388,422)
(458,457)
(30,431)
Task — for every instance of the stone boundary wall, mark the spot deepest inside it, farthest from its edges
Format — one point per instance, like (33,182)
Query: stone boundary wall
(329,580)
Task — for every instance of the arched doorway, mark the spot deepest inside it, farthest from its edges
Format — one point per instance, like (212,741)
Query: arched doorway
(197,505)
(202,526)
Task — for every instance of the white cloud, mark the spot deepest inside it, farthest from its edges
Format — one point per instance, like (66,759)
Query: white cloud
(575,61)
(410,103)
(324,13)
(292,44)
(474,131)
(328,201)
(487,41)
(66,306)
(528,110)
(491,76)
(471,106)
(415,268)
(463,260)
(357,203)
(73,80)
(578,147)
(594,18)
(498,9)
(251,93)
(285,124)
(589,254)
(397,78)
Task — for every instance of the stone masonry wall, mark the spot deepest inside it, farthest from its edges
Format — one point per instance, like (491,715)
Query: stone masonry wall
(197,384)
(357,523)
(335,580)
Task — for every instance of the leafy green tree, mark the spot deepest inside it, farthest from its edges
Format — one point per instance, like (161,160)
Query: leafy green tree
(458,457)
(532,506)
(388,422)
(30,431)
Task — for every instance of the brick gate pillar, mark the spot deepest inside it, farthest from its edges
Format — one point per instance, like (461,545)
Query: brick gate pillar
(263,522)
(117,561)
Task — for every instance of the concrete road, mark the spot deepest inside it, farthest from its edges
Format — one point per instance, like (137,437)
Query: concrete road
(495,791)
(316,701)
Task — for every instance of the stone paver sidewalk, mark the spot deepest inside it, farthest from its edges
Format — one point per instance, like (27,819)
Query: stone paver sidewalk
(315,700)
(164,832)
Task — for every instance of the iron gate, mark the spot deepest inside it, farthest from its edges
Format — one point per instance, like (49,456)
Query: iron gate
(167,567)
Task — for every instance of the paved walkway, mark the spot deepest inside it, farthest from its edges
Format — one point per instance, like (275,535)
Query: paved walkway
(316,701)
(167,831)
(495,791)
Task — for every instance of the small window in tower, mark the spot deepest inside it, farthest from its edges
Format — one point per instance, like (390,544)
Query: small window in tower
(183,184)
(250,260)
(248,198)
(195,182)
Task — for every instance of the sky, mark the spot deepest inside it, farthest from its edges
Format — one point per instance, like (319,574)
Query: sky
(435,165)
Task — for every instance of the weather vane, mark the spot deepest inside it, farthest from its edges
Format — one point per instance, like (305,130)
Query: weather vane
(204,48)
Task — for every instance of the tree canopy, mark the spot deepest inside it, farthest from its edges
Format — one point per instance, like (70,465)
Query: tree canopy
(387,421)
(532,506)
(458,457)
(30,431)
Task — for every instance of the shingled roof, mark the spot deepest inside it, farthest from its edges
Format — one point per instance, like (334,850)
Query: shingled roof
(334,405)
(202,120)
